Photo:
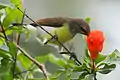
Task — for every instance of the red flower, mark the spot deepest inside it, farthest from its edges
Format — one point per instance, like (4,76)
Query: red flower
(95,41)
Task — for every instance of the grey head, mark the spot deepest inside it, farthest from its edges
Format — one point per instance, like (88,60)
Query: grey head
(78,26)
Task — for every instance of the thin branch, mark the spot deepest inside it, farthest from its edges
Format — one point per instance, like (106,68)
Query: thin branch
(3,31)
(41,67)
(33,60)
(18,35)
(93,69)
(23,72)
(17,40)
(75,58)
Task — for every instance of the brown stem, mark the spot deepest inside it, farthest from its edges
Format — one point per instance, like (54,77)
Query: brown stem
(33,60)
(3,31)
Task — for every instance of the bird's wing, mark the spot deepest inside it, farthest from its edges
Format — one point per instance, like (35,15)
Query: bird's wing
(51,22)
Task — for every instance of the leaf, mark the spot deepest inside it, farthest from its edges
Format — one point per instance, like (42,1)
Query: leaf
(4,53)
(10,17)
(26,63)
(89,77)
(83,75)
(42,59)
(2,6)
(68,74)
(86,53)
(107,68)
(87,56)
(17,71)
(58,61)
(71,63)
(12,48)
(58,73)
(8,76)
(100,58)
(17,3)
(5,67)
(27,33)
(11,14)
(2,41)
(81,68)
(88,20)
(113,57)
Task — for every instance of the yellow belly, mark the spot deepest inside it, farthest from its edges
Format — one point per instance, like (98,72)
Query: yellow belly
(62,33)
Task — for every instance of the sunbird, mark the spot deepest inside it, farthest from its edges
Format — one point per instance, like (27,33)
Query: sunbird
(65,28)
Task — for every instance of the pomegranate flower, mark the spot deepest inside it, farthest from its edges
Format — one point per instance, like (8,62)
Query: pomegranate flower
(95,41)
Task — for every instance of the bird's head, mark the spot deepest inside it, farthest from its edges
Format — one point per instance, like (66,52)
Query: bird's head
(79,26)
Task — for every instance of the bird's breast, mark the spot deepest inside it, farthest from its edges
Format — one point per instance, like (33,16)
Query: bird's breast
(63,34)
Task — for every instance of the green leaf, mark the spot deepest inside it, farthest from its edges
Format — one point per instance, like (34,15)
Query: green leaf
(17,3)
(4,53)
(83,75)
(88,77)
(68,74)
(88,20)
(2,6)
(107,68)
(86,53)
(8,76)
(11,14)
(12,48)
(82,68)
(5,67)
(10,17)
(8,32)
(58,73)
(18,71)
(2,41)
(114,57)
(26,63)
(100,58)
(42,59)
(27,33)
(87,56)
(58,61)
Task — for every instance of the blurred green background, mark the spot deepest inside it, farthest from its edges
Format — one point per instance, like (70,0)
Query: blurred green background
(105,16)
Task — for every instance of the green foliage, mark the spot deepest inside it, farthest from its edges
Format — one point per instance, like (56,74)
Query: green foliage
(88,20)
(5,72)
(26,63)
(15,64)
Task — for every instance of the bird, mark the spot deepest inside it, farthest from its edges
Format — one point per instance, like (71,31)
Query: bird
(65,28)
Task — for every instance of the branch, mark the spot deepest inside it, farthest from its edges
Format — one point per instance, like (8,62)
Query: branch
(25,53)
(33,60)
(17,40)
(3,31)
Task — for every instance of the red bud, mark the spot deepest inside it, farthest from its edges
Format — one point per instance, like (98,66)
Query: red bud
(95,41)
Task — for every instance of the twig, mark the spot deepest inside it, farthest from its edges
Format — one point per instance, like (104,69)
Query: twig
(95,76)
(25,53)
(33,60)
(17,41)
(3,31)
(75,58)
(23,71)
(93,69)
